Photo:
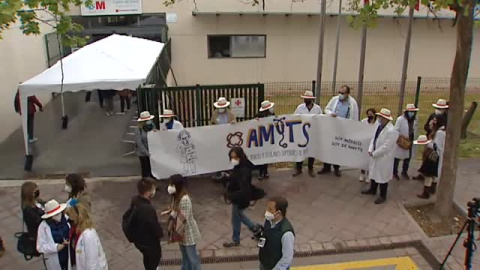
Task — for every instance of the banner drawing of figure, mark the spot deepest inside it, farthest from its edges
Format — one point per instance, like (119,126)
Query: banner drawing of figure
(188,155)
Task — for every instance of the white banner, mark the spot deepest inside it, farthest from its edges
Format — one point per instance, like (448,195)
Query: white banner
(112,7)
(286,138)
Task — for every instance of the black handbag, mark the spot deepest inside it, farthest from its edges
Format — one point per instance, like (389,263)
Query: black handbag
(26,244)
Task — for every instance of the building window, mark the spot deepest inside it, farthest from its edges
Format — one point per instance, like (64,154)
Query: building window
(238,46)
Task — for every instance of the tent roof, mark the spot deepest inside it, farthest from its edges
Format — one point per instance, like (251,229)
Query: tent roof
(115,62)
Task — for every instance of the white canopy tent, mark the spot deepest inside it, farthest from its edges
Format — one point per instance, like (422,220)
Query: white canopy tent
(115,62)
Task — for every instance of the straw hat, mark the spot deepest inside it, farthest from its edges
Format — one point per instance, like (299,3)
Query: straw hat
(441,104)
(266,105)
(167,114)
(422,139)
(53,208)
(308,95)
(411,108)
(221,103)
(145,116)
(385,113)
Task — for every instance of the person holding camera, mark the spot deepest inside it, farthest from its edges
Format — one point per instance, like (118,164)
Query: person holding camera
(239,192)
(277,240)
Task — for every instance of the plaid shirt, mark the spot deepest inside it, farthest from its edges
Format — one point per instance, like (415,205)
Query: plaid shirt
(192,233)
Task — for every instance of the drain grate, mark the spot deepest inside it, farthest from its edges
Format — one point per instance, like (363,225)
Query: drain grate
(417,244)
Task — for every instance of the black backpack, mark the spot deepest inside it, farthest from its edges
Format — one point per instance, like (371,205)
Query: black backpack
(128,223)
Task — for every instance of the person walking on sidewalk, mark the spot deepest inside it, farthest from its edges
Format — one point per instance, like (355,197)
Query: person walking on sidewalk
(407,128)
(307,107)
(108,96)
(372,121)
(33,103)
(278,249)
(342,106)
(125,99)
(381,151)
(239,192)
(147,230)
(266,110)
(145,125)
(181,212)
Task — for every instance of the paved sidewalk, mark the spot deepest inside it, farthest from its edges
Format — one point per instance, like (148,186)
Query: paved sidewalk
(328,213)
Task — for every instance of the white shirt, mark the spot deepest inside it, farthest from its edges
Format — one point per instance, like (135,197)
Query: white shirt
(302,109)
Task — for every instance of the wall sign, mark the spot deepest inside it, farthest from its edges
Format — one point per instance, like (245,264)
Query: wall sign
(238,107)
(112,7)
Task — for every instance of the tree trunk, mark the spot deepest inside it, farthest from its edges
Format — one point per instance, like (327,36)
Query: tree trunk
(458,81)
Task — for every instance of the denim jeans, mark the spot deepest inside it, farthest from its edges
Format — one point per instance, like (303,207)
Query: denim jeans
(238,217)
(190,259)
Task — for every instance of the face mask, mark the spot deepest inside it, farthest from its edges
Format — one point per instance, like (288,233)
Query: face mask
(36,193)
(221,110)
(341,96)
(57,217)
(271,110)
(148,127)
(410,114)
(269,216)
(437,111)
(171,190)
(370,118)
(308,102)
(168,120)
(234,162)
(67,189)
(153,193)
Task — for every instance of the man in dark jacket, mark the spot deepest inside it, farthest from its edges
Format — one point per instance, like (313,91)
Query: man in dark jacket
(276,246)
(148,232)
(33,103)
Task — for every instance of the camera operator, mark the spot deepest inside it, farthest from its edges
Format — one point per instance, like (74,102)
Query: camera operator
(276,245)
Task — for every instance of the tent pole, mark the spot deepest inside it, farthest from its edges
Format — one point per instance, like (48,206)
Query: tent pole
(64,117)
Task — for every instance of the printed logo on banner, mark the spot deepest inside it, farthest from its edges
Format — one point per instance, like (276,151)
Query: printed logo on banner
(271,133)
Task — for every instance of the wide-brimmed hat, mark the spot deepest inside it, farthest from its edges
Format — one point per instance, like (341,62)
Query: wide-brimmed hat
(266,105)
(422,139)
(145,116)
(221,103)
(411,108)
(167,114)
(385,113)
(53,208)
(308,95)
(441,104)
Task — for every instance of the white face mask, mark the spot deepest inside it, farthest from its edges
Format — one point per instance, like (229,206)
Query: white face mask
(153,193)
(221,110)
(67,189)
(271,110)
(171,190)
(234,162)
(438,111)
(168,120)
(57,217)
(269,216)
(341,97)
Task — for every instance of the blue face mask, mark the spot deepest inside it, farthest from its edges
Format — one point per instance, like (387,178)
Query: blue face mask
(411,114)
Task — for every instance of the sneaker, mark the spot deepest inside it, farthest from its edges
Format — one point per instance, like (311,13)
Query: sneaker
(33,140)
(361,178)
(231,244)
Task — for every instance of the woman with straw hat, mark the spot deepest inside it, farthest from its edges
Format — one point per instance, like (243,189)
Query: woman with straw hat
(145,125)
(381,151)
(168,121)
(266,110)
(53,237)
(222,115)
(407,128)
(441,110)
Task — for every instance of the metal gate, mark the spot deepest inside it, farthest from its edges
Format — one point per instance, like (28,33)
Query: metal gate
(193,105)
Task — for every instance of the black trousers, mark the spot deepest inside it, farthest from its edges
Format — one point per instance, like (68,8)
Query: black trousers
(100,98)
(311,160)
(30,121)
(145,165)
(124,100)
(88,96)
(263,169)
(383,188)
(151,256)
(405,165)
(328,166)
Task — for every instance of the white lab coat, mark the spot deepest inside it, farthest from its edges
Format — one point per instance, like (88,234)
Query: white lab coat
(439,140)
(332,105)
(381,162)
(302,109)
(89,252)
(402,128)
(48,247)
(176,125)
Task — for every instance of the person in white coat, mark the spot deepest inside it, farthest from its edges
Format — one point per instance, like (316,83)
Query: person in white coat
(407,127)
(307,107)
(381,151)
(342,106)
(371,120)
(89,253)
(53,237)
(168,121)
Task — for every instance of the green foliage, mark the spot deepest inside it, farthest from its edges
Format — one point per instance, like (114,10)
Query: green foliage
(33,13)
